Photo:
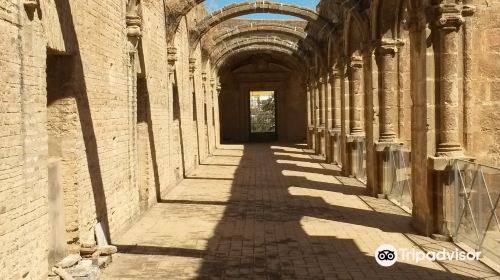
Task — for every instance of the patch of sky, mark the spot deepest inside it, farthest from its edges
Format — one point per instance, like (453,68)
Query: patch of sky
(213,5)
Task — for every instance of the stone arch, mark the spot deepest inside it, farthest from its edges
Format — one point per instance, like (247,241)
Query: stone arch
(385,18)
(355,35)
(292,31)
(296,31)
(239,9)
(222,59)
(271,33)
(268,40)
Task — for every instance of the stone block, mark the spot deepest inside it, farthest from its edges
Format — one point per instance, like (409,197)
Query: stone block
(69,261)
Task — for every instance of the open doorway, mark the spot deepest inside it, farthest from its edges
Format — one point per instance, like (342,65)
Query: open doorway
(262,116)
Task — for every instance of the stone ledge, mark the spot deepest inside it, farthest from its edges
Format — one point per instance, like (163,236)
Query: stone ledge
(355,138)
(442,163)
(334,131)
(320,129)
(381,146)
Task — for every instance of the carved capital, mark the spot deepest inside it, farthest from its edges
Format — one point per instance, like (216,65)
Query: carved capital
(333,73)
(171,55)
(321,81)
(134,23)
(204,76)
(212,82)
(387,46)
(30,4)
(133,19)
(356,62)
(452,15)
(192,66)
(171,58)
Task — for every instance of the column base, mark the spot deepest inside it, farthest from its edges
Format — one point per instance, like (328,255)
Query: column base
(449,150)
(445,192)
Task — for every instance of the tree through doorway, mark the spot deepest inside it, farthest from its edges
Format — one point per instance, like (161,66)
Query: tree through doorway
(262,116)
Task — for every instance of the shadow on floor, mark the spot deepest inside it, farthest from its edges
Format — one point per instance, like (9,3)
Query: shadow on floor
(275,226)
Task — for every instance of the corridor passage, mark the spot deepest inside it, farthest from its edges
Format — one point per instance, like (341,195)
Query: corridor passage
(261,211)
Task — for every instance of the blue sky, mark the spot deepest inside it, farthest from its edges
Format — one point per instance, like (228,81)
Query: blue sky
(213,5)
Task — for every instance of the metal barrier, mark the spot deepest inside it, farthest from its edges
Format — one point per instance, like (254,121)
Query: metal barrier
(360,148)
(336,149)
(476,192)
(399,159)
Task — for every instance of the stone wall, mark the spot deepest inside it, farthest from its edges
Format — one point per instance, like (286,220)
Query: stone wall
(481,81)
(23,144)
(76,95)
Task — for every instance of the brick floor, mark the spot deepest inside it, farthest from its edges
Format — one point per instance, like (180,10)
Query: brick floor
(274,212)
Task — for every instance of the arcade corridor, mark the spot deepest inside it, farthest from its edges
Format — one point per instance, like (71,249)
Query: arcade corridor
(262,211)
(233,139)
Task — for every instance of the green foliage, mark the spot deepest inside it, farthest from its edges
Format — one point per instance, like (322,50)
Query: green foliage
(262,113)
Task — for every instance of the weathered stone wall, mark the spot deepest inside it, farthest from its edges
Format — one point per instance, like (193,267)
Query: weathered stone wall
(23,144)
(481,39)
(113,158)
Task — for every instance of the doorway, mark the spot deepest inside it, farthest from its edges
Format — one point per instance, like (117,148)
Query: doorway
(262,116)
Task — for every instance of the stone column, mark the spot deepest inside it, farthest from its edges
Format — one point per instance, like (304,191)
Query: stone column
(316,104)
(320,128)
(192,69)
(329,118)
(205,112)
(171,60)
(356,92)
(357,134)
(449,19)
(386,56)
(335,103)
(321,98)
(448,23)
(310,116)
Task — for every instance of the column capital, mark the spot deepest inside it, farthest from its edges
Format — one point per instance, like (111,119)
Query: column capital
(451,16)
(355,62)
(171,55)
(333,73)
(387,46)
(30,4)
(212,82)
(132,19)
(321,81)
(192,66)
(204,76)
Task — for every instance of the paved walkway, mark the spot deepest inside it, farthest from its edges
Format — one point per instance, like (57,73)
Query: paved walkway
(274,212)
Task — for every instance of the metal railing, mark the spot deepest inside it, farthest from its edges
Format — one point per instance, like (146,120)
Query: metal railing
(476,192)
(399,159)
